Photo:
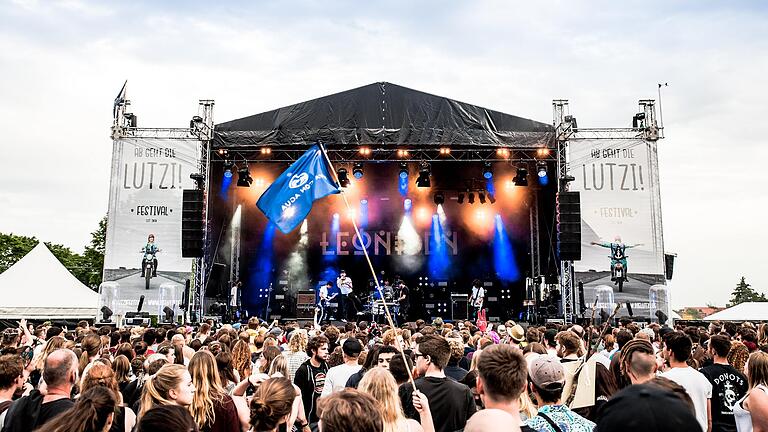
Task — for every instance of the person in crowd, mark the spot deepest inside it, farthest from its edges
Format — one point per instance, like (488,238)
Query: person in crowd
(167,418)
(637,361)
(135,389)
(11,380)
(646,408)
(271,405)
(60,374)
(212,408)
(501,380)
(265,358)
(91,346)
(241,358)
(122,369)
(297,352)
(550,341)
(728,384)
(450,402)
(401,369)
(452,369)
(310,377)
(677,351)
(171,385)
(227,374)
(338,376)
(738,356)
(279,369)
(94,411)
(381,385)
(100,374)
(350,410)
(546,383)
(751,411)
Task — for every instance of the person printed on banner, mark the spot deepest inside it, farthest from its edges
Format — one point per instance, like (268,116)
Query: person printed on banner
(344,283)
(149,249)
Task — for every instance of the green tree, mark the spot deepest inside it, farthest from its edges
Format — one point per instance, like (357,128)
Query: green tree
(13,248)
(93,256)
(745,293)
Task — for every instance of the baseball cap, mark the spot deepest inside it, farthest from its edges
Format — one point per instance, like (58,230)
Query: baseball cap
(547,373)
(352,347)
(660,410)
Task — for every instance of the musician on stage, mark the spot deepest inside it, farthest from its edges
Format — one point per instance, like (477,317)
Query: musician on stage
(404,300)
(323,301)
(477,298)
(234,299)
(344,283)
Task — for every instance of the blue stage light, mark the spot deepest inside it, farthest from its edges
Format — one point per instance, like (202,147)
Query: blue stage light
(504,262)
(487,171)
(407,204)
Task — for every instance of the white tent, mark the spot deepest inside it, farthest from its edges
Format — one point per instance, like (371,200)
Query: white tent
(38,286)
(749,311)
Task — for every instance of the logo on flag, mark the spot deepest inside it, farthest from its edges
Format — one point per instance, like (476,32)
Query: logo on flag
(288,200)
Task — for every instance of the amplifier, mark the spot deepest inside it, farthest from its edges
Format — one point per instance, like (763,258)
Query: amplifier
(459,306)
(305,298)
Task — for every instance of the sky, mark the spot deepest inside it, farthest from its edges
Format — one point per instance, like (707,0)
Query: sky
(63,62)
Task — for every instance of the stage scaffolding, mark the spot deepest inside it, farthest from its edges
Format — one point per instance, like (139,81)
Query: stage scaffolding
(568,133)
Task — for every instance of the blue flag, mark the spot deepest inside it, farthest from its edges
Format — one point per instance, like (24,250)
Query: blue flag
(288,200)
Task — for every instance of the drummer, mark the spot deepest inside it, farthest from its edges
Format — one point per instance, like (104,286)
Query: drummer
(386,288)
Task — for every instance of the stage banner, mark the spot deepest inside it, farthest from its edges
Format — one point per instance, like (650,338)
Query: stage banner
(148,177)
(620,211)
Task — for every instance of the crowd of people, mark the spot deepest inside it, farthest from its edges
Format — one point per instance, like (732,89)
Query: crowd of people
(436,376)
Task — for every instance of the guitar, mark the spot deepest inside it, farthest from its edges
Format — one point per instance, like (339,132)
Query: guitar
(323,303)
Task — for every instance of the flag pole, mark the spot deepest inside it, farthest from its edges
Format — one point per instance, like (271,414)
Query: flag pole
(370,265)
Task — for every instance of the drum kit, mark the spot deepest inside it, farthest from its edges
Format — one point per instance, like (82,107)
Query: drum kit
(376,303)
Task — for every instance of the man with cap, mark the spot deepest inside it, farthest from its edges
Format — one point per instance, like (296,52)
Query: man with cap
(344,284)
(645,408)
(546,380)
(337,376)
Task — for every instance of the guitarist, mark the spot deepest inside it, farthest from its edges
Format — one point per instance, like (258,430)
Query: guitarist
(324,300)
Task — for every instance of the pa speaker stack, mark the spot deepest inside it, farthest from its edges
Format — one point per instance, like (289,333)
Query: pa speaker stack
(192,223)
(569,226)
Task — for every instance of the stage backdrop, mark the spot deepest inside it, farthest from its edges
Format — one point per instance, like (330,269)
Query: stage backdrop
(148,176)
(618,181)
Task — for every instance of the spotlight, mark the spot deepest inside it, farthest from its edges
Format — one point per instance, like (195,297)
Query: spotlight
(222,152)
(365,151)
(487,172)
(471,198)
(492,198)
(266,151)
(481,197)
(503,152)
(407,204)
(542,152)
(423,179)
(403,170)
(445,150)
(402,153)
(343,178)
(357,170)
(106,314)
(541,167)
(168,314)
(364,201)
(460,199)
(521,177)
(244,178)
(439,198)
(229,166)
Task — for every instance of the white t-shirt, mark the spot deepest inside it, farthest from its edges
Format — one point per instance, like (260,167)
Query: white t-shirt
(698,387)
(477,296)
(337,378)
(233,296)
(344,284)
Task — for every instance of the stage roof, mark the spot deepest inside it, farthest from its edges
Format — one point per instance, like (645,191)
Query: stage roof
(383,114)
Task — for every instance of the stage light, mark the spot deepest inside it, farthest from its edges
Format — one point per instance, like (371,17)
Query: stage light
(439,198)
(503,152)
(487,171)
(106,314)
(541,167)
(364,201)
(365,151)
(222,152)
(229,166)
(244,178)
(424,173)
(402,153)
(403,170)
(445,150)
(509,184)
(266,151)
(481,197)
(471,198)
(542,152)
(407,204)
(357,170)
(343,178)
(351,213)
(460,199)
(259,182)
(168,314)
(521,177)
(492,198)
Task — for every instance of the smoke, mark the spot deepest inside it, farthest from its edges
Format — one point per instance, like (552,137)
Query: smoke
(295,266)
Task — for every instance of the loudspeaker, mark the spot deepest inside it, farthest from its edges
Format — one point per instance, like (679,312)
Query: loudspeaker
(669,265)
(192,223)
(305,304)
(569,226)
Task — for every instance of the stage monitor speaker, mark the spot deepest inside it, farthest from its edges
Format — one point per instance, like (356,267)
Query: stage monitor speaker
(192,223)
(569,226)
(305,304)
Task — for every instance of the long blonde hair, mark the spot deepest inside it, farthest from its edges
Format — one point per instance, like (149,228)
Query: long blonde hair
(91,346)
(241,358)
(279,365)
(156,388)
(380,384)
(51,345)
(757,369)
(208,389)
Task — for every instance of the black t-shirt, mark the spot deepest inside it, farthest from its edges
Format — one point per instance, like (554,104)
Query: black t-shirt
(52,409)
(728,386)
(311,381)
(450,402)
(404,292)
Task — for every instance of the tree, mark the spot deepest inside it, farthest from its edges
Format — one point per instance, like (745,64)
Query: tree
(13,248)
(745,293)
(93,256)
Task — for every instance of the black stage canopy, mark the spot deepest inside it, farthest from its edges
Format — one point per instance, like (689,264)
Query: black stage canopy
(383,114)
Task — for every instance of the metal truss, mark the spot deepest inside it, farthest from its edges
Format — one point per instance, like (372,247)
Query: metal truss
(533,212)
(202,126)
(565,128)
